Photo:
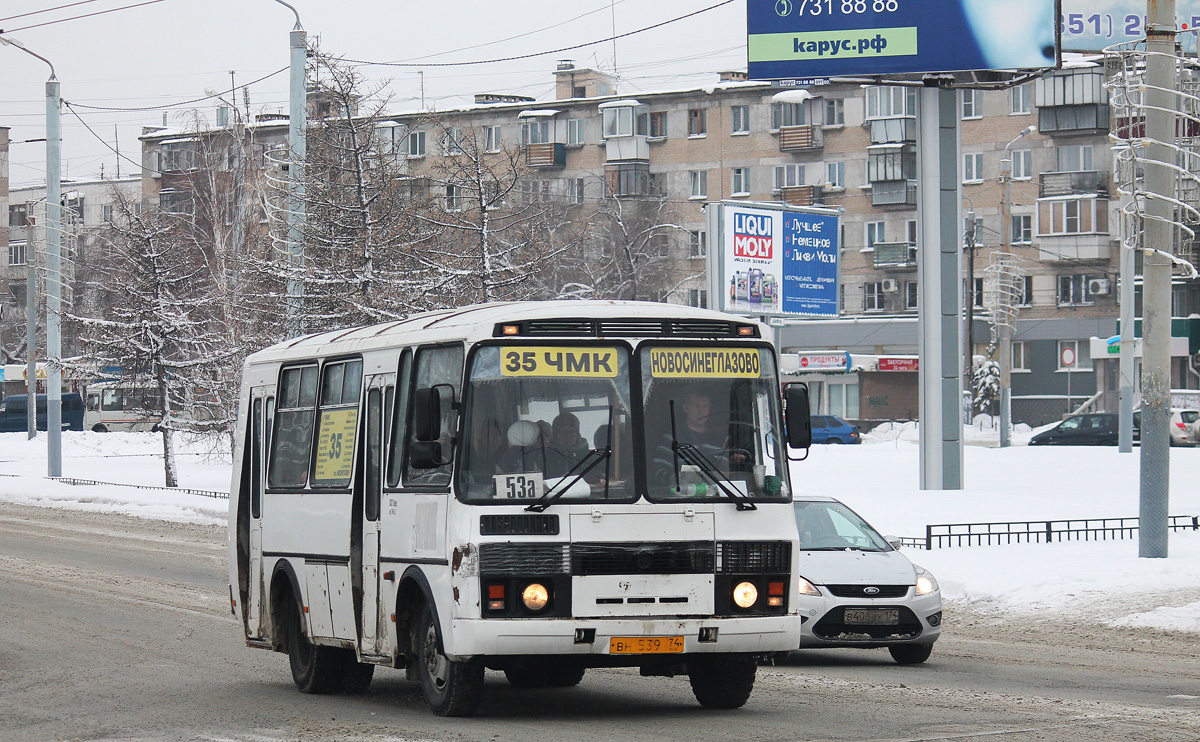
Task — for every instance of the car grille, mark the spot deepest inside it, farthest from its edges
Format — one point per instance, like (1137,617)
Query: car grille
(860,591)
(832,627)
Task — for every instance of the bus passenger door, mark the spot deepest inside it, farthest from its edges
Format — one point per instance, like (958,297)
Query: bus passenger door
(379,391)
(260,406)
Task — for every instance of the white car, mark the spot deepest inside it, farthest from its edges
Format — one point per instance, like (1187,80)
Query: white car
(858,590)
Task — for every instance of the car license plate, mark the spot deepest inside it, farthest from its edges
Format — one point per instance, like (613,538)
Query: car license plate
(645,645)
(872,616)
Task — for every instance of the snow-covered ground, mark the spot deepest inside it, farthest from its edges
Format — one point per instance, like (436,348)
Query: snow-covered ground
(1083,581)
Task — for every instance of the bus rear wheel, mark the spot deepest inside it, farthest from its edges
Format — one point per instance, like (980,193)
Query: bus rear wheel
(315,669)
(452,688)
(722,681)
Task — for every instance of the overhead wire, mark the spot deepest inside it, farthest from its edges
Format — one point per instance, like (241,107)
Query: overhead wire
(46,10)
(79,17)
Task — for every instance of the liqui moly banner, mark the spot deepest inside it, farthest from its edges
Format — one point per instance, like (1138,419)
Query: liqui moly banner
(777,261)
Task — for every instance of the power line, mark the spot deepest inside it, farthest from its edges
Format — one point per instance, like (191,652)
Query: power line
(47,10)
(105,143)
(186,102)
(79,17)
(542,53)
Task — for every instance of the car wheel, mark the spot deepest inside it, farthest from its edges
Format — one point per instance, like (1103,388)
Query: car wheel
(98,428)
(834,441)
(451,688)
(911,654)
(722,681)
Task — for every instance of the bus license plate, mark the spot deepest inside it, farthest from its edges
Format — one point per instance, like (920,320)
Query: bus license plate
(872,616)
(645,645)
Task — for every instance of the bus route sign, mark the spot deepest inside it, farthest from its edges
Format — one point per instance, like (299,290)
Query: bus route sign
(790,39)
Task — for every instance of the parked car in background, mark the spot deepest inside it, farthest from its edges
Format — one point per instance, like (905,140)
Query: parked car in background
(1184,426)
(14,412)
(857,589)
(1092,429)
(833,429)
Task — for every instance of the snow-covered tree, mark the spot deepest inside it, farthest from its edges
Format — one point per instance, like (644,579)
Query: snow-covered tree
(985,383)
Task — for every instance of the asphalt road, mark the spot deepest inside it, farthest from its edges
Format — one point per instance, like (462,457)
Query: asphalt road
(115,628)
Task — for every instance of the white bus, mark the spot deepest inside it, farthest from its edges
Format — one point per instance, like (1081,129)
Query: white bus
(120,406)
(538,488)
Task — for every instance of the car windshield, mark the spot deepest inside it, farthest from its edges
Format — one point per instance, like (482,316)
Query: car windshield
(548,422)
(831,526)
(712,423)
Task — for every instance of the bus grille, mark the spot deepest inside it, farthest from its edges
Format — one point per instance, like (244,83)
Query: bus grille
(518,525)
(513,559)
(754,557)
(673,557)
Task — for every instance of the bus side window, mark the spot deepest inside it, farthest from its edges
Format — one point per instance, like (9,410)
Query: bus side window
(294,422)
(374,451)
(439,366)
(338,424)
(399,420)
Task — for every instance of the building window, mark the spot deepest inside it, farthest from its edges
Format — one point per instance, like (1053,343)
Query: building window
(1020,358)
(873,296)
(575,186)
(788,114)
(1025,292)
(875,232)
(699,180)
(16,253)
(787,176)
(175,202)
(970,105)
(973,167)
(835,112)
(1022,164)
(888,101)
(491,139)
(910,231)
(453,142)
(698,244)
(977,293)
(741,181)
(18,216)
(698,298)
(697,122)
(535,131)
(106,213)
(1074,158)
(1022,229)
(1022,99)
(626,121)
(891,164)
(835,174)
(1072,216)
(1073,290)
(658,124)
(416,144)
(739,118)
(453,197)
(574,131)
(910,295)
(1083,355)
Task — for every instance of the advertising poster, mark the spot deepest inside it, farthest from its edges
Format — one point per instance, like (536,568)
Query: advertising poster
(779,262)
(790,39)
(1092,25)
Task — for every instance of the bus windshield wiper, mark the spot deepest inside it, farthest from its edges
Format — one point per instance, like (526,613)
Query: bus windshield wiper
(583,466)
(694,456)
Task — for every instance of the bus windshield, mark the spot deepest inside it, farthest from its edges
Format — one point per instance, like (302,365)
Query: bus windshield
(548,422)
(712,428)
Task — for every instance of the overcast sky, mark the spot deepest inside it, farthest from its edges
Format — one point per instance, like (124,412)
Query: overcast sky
(177,50)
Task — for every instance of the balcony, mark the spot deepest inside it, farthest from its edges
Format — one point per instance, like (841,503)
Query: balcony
(1075,248)
(548,155)
(802,195)
(1088,118)
(896,130)
(1071,183)
(894,193)
(895,256)
(800,138)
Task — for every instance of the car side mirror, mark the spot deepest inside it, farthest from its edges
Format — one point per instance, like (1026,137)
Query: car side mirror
(797,415)
(894,541)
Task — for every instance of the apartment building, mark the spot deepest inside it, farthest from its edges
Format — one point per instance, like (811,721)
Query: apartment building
(848,146)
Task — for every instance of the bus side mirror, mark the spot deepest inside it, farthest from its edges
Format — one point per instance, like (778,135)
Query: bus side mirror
(425,455)
(797,415)
(427,415)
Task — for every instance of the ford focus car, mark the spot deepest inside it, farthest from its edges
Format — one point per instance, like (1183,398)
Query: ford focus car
(858,590)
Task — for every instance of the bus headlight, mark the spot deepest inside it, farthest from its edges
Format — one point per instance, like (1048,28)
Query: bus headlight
(535,596)
(745,594)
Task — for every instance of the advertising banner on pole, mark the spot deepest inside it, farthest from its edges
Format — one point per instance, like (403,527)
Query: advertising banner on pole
(1092,25)
(790,39)
(775,260)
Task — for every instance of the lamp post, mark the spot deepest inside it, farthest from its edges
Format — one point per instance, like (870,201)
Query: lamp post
(1006,327)
(298,148)
(53,268)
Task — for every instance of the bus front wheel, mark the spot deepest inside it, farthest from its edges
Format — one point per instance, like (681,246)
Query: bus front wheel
(722,681)
(452,688)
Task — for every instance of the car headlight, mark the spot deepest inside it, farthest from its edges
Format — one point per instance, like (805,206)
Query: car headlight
(926,583)
(745,594)
(535,597)
(807,588)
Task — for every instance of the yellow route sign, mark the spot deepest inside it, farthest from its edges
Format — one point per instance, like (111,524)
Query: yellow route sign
(546,361)
(699,363)
(335,447)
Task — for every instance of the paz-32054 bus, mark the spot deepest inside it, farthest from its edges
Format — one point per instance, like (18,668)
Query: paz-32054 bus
(538,488)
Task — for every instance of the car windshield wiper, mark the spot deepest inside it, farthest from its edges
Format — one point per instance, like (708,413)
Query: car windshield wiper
(589,461)
(694,456)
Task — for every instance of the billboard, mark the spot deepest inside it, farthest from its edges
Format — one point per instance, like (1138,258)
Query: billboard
(1091,25)
(790,39)
(774,260)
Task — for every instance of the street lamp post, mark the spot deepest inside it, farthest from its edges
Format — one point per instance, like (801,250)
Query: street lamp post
(1006,328)
(298,148)
(53,268)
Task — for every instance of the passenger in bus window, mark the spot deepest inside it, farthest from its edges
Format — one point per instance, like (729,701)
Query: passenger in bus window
(700,429)
(489,454)
(567,447)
